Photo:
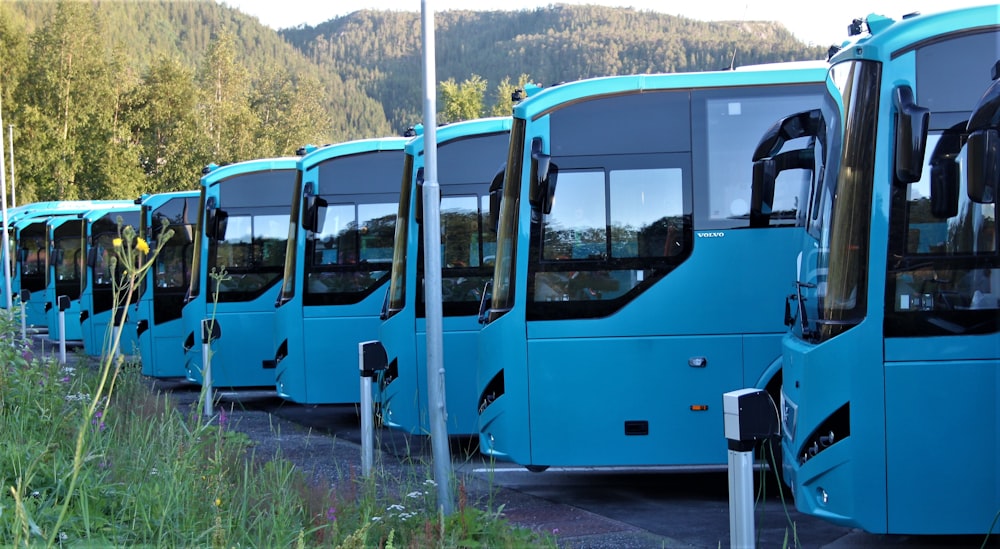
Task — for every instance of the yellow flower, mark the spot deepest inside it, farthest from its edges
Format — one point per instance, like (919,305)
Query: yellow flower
(218,502)
(117,243)
(141,245)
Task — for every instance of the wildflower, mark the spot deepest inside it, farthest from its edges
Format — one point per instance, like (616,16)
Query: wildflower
(63,536)
(117,243)
(376,519)
(141,245)
(222,417)
(555,531)
(153,472)
(218,502)
(430,482)
(415,494)
(331,514)
(395,507)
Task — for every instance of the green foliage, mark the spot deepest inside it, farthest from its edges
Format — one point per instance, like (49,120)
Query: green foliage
(111,99)
(462,101)
(381,50)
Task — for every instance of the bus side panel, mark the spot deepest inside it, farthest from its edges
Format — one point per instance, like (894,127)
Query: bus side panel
(99,327)
(331,352)
(926,455)
(759,352)
(647,410)
(290,374)
(844,482)
(161,345)
(502,354)
(400,399)
(460,343)
(72,318)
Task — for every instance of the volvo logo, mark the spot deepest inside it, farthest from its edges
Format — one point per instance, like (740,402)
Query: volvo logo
(715,234)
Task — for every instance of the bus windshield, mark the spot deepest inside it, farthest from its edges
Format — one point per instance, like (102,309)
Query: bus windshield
(832,279)
(397,284)
(503,274)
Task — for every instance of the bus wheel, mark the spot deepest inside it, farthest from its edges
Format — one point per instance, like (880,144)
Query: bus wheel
(536,468)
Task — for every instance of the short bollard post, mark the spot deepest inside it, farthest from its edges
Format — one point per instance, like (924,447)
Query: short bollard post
(25,296)
(119,320)
(749,415)
(371,360)
(63,302)
(209,331)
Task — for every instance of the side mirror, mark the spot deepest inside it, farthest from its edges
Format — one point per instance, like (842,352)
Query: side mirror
(800,124)
(945,173)
(983,165)
(765,173)
(496,193)
(539,190)
(313,210)
(216,220)
(418,205)
(911,136)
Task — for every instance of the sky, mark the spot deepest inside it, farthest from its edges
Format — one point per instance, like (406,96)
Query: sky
(818,23)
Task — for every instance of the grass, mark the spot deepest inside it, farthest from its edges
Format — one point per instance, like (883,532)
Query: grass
(126,467)
(92,457)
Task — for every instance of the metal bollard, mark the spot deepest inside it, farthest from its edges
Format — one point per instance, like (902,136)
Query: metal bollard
(210,331)
(748,415)
(25,296)
(63,302)
(371,359)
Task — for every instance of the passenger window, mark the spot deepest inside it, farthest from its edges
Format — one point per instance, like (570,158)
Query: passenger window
(576,227)
(647,213)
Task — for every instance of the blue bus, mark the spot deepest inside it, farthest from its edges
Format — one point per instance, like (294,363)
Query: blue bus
(636,278)
(889,396)
(65,241)
(158,311)
(31,256)
(241,231)
(339,255)
(470,156)
(97,292)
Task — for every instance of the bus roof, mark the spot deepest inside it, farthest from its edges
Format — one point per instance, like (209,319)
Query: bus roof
(351,147)
(776,73)
(461,129)
(219,173)
(893,38)
(154,200)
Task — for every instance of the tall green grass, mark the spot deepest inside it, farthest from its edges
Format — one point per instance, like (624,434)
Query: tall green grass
(90,455)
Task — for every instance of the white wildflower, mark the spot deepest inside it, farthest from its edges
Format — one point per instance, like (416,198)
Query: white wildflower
(395,507)
(415,494)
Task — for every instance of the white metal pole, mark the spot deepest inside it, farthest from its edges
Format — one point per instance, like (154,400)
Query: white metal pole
(432,268)
(206,372)
(741,523)
(367,423)
(62,336)
(24,319)
(13,187)
(9,299)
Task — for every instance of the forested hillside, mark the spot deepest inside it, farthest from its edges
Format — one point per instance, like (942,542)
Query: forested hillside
(381,49)
(110,99)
